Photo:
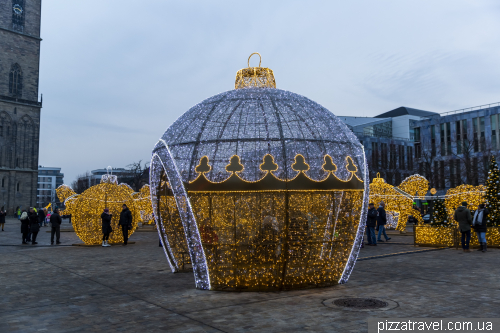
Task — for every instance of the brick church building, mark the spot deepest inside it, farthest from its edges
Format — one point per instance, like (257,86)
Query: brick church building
(19,105)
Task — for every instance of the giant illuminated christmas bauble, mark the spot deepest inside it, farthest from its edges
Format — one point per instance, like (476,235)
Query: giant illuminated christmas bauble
(260,189)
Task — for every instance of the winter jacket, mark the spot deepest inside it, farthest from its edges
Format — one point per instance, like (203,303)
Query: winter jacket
(2,216)
(382,217)
(482,227)
(125,217)
(25,225)
(464,218)
(33,218)
(55,220)
(371,218)
(106,223)
(41,216)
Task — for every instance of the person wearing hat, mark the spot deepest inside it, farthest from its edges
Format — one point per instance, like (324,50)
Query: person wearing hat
(464,218)
(106,226)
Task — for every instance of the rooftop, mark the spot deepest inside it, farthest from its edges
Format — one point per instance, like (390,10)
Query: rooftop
(403,111)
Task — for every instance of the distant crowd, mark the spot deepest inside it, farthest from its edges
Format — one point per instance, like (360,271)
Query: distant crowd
(376,220)
(33,219)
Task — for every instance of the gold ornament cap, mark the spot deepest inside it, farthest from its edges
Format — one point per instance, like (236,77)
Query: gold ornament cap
(255,77)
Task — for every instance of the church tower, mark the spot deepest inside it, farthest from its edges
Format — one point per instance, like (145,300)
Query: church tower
(19,104)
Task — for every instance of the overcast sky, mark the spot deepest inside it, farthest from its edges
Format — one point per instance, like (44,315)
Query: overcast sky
(116,74)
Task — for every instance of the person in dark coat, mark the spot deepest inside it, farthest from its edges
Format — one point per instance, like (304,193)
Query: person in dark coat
(106,226)
(34,226)
(55,221)
(464,218)
(25,226)
(371,223)
(125,222)
(381,222)
(41,217)
(3,213)
(479,225)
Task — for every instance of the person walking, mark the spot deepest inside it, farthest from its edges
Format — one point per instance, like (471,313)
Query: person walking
(18,212)
(3,213)
(25,226)
(371,223)
(463,217)
(106,226)
(479,225)
(55,221)
(381,222)
(125,222)
(34,225)
(41,217)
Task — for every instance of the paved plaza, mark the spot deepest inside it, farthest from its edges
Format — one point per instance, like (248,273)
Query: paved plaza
(69,288)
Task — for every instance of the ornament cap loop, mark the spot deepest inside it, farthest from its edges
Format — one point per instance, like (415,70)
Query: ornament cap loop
(260,58)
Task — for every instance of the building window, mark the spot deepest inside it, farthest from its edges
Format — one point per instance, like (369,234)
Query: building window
(16,81)
(18,15)
(384,155)
(459,138)
(441,174)
(392,156)
(482,139)
(442,136)
(448,138)
(3,182)
(475,127)
(417,134)
(409,155)
(375,153)
(433,140)
(494,132)
(18,186)
(402,157)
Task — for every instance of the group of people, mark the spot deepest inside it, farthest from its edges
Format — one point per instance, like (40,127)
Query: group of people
(125,222)
(32,220)
(376,220)
(466,223)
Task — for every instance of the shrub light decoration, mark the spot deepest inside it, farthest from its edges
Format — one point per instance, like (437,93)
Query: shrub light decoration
(86,209)
(260,189)
(399,199)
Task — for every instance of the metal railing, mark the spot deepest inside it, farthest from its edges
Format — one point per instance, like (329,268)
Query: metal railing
(474,108)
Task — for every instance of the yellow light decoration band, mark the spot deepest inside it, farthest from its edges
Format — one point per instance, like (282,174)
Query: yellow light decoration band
(444,236)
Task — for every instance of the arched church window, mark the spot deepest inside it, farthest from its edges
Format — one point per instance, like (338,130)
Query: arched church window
(18,187)
(16,81)
(3,182)
(18,15)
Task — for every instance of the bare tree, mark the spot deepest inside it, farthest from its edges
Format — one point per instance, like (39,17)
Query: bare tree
(137,175)
(473,165)
(82,182)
